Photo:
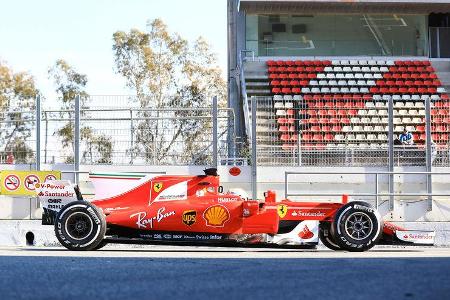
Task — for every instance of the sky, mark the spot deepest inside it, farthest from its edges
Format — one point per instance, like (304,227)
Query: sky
(35,33)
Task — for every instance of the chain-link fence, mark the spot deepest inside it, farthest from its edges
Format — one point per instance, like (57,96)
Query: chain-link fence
(18,132)
(115,130)
(349,131)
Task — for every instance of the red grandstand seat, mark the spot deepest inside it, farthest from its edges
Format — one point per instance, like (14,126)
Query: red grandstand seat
(285,137)
(293,76)
(296,90)
(284,83)
(431,90)
(344,121)
(282,121)
(384,90)
(402,76)
(328,137)
(403,90)
(387,75)
(423,137)
(374,90)
(299,62)
(294,138)
(412,90)
(283,76)
(421,69)
(294,83)
(336,128)
(342,113)
(304,83)
(319,69)
(445,97)
(326,62)
(318,137)
(275,83)
(326,128)
(443,112)
(399,83)
(414,76)
(335,121)
(437,83)
(312,76)
(352,112)
(430,69)
(338,97)
(309,69)
(367,97)
(393,90)
(323,121)
(273,76)
(443,137)
(271,63)
(312,112)
(322,113)
(307,136)
(290,112)
(409,83)
(315,128)
(286,90)
(329,104)
(331,113)
(276,90)
(283,129)
(360,104)
(313,121)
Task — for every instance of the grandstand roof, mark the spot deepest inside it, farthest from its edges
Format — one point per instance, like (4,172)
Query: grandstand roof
(345,6)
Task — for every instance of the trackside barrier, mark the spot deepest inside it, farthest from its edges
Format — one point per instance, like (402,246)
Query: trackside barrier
(376,193)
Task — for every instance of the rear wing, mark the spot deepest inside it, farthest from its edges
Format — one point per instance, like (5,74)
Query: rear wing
(53,196)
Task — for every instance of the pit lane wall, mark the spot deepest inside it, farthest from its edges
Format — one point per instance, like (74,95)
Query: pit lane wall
(20,215)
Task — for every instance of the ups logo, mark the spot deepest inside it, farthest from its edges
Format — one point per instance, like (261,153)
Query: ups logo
(189,217)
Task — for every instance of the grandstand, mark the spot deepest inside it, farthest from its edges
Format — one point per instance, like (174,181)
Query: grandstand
(327,74)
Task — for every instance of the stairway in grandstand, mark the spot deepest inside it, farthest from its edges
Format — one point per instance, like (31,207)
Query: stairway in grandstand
(342,104)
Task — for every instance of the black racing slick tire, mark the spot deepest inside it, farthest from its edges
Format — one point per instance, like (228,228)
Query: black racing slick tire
(80,226)
(101,245)
(357,226)
(326,238)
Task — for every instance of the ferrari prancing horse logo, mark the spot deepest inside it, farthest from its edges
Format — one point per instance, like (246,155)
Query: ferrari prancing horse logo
(282,210)
(157,187)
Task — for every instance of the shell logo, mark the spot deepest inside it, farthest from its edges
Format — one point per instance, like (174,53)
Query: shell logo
(216,216)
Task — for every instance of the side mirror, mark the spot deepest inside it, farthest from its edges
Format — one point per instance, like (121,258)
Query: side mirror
(220,189)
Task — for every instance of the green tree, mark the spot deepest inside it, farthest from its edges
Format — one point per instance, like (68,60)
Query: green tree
(69,83)
(17,96)
(165,71)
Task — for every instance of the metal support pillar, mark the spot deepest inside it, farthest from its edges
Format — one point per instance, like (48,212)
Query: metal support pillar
(429,151)
(77,139)
(38,133)
(391,153)
(254,183)
(214,131)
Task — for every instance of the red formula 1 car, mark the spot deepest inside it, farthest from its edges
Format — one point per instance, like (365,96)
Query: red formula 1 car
(193,209)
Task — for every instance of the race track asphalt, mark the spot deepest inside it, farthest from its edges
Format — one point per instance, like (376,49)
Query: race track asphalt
(220,273)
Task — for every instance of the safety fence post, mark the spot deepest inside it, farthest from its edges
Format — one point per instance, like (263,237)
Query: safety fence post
(38,132)
(77,139)
(254,158)
(214,130)
(428,153)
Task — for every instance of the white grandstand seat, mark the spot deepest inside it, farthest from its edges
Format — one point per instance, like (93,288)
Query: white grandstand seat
(325,90)
(378,76)
(384,69)
(365,69)
(382,137)
(375,69)
(342,82)
(441,90)
(372,62)
(356,69)
(406,97)
(321,75)
(339,137)
(375,120)
(368,128)
(419,105)
(328,69)
(374,146)
(398,128)
(353,62)
(288,97)
(277,97)
(365,120)
(278,105)
(335,90)
(354,90)
(384,120)
(371,137)
(337,69)
(344,90)
(364,90)
(350,76)
(386,128)
(411,128)
(315,90)
(377,97)
(387,97)
(378,128)
(371,82)
(289,105)
(323,82)
(424,97)
(368,76)
(352,82)
(361,83)
(362,112)
(363,145)
(407,120)
(435,97)
(363,63)
(355,120)
(359,76)
(313,82)
(281,113)
(399,104)
(361,137)
(397,121)
(421,112)
(336,62)
(381,62)
(332,82)
(306,90)
(416,120)
(351,137)
(403,112)
(372,112)
(370,104)
(396,97)
(298,97)
(345,62)
(331,76)
(358,128)
(409,104)
(380,104)
(390,63)
(347,129)
(340,76)
(342,146)
(415,97)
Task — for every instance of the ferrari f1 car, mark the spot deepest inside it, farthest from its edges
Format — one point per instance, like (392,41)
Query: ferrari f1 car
(194,210)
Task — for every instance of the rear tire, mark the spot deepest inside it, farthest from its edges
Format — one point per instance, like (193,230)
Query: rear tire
(80,226)
(326,238)
(357,226)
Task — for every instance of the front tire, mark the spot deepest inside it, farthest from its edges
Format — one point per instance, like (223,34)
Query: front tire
(356,226)
(80,226)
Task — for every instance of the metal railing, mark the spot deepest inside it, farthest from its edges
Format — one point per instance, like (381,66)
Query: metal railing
(376,188)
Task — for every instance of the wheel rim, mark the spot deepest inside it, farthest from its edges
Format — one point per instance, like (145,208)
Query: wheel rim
(79,226)
(358,226)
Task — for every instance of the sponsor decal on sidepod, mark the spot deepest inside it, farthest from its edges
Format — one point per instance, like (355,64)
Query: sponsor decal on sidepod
(216,215)
(143,222)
